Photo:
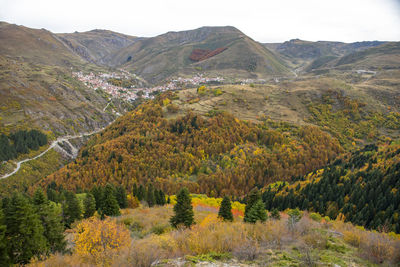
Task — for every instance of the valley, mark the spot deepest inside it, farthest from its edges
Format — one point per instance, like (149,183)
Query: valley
(306,132)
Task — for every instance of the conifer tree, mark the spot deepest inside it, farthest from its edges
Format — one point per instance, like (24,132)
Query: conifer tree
(89,204)
(252,198)
(183,210)
(51,221)
(141,193)
(257,213)
(120,195)
(110,205)
(3,241)
(162,198)
(71,208)
(135,190)
(24,231)
(275,214)
(98,193)
(225,211)
(150,197)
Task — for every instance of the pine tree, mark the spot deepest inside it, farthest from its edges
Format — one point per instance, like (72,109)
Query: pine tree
(162,198)
(135,190)
(4,259)
(98,193)
(89,204)
(141,193)
(183,210)
(168,200)
(71,208)
(120,195)
(257,213)
(252,198)
(150,197)
(51,221)
(225,210)
(110,205)
(24,231)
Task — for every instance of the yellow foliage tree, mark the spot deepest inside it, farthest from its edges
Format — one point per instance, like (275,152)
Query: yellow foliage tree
(100,241)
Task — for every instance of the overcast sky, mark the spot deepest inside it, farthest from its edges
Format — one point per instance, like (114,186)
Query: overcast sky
(264,20)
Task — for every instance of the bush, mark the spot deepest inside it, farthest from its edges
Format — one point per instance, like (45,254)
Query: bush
(159,229)
(315,217)
(248,250)
(377,248)
(172,108)
(352,238)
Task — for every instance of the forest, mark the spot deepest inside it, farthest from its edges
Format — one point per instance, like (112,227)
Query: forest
(362,187)
(20,142)
(216,155)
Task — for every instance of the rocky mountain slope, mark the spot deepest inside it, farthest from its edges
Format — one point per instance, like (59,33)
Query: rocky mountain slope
(94,45)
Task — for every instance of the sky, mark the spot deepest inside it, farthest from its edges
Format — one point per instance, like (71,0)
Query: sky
(262,20)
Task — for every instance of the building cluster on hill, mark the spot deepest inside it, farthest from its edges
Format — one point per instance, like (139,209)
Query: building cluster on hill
(102,81)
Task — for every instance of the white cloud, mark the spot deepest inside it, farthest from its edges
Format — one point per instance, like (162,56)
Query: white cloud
(265,21)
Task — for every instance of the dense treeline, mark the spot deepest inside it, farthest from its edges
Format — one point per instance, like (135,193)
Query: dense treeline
(363,188)
(34,226)
(220,155)
(20,143)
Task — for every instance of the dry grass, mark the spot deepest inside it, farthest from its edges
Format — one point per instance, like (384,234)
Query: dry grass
(262,243)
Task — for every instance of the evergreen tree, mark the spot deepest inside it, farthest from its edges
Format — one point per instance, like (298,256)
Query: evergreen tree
(253,197)
(183,210)
(150,197)
(24,231)
(89,204)
(168,200)
(98,193)
(51,221)
(141,193)
(4,259)
(135,190)
(162,198)
(225,210)
(71,208)
(110,205)
(120,195)
(257,213)
(275,214)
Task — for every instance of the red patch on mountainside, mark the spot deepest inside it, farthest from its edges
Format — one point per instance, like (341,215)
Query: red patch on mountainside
(202,54)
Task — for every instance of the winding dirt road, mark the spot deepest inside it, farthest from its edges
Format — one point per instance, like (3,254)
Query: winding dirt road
(52,145)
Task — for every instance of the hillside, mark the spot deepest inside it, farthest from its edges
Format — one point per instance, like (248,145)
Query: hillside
(169,54)
(94,45)
(361,187)
(302,53)
(37,89)
(216,155)
(382,57)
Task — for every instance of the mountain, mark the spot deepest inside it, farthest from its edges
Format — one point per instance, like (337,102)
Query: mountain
(302,53)
(229,53)
(37,89)
(385,56)
(94,45)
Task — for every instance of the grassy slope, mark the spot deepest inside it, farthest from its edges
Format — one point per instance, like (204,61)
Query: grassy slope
(36,86)
(162,56)
(294,102)
(310,242)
